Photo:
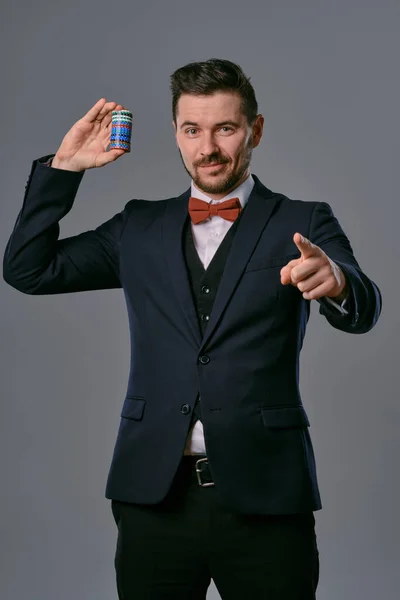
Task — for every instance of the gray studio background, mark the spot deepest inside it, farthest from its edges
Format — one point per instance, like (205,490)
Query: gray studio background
(326,79)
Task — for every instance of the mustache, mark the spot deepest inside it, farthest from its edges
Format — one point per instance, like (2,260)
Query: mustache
(211,161)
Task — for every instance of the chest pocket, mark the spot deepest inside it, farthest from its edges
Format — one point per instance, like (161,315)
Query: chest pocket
(267,262)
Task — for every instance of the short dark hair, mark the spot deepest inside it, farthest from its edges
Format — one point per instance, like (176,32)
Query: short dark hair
(211,76)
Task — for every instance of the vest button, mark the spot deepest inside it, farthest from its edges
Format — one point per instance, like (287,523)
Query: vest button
(205,289)
(205,317)
(185,409)
(204,359)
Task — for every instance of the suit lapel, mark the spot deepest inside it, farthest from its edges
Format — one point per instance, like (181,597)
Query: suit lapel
(174,220)
(254,219)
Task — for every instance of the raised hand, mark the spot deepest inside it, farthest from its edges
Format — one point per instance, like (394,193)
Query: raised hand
(85,144)
(314,273)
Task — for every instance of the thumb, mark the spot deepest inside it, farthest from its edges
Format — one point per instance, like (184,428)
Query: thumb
(286,271)
(110,156)
(306,248)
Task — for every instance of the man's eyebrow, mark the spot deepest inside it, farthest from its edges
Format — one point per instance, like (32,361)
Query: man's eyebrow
(193,124)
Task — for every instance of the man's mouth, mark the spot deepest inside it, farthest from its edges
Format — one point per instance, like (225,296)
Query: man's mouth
(211,165)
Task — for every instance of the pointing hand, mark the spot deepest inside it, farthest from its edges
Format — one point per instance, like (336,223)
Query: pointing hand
(314,273)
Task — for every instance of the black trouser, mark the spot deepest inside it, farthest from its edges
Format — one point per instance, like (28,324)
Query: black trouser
(172,550)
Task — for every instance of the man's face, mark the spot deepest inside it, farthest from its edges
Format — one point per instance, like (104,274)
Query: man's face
(215,141)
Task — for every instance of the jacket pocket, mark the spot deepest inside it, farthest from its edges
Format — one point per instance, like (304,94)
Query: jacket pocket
(133,408)
(285,417)
(267,262)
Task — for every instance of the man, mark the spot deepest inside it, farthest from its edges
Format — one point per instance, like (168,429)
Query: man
(213,473)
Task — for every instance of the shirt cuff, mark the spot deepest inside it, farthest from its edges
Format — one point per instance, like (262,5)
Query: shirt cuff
(340,307)
(48,162)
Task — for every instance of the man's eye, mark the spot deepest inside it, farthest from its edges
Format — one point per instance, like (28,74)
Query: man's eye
(191,130)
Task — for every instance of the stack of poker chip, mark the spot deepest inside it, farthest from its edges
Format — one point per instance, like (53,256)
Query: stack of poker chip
(121,130)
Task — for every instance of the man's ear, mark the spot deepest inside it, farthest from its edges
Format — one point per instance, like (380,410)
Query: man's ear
(257,130)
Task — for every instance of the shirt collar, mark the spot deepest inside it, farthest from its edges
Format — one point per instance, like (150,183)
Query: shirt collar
(242,192)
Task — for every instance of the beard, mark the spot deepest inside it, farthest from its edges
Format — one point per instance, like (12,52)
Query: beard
(223,184)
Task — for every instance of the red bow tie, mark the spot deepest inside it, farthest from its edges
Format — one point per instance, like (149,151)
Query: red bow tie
(200,210)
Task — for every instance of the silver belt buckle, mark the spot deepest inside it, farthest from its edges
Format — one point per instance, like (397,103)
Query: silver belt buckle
(198,471)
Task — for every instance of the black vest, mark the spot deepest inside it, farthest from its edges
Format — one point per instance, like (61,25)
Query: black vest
(204,282)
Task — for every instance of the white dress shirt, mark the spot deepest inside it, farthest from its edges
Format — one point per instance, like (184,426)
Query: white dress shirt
(207,236)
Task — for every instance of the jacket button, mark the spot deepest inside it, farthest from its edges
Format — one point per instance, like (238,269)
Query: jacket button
(205,317)
(204,359)
(185,409)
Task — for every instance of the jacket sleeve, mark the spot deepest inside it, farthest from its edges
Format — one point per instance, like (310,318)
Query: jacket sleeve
(37,262)
(364,301)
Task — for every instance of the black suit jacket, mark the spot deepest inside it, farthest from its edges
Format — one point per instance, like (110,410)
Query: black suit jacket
(245,366)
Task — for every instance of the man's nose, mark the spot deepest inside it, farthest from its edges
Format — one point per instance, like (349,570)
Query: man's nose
(208,146)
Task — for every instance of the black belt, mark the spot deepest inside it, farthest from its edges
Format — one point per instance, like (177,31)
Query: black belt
(198,466)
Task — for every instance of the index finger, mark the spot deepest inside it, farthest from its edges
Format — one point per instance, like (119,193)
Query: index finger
(306,247)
